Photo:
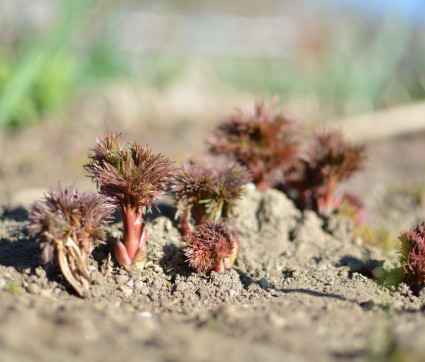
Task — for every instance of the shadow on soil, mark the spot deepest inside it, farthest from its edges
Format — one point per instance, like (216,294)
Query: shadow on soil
(20,254)
(173,262)
(369,268)
(15,214)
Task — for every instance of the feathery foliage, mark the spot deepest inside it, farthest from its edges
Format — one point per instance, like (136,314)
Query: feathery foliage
(131,175)
(206,191)
(267,143)
(68,225)
(211,247)
(412,255)
(328,160)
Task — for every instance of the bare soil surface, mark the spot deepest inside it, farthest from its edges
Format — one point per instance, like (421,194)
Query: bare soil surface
(303,288)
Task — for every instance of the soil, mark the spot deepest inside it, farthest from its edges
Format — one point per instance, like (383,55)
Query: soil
(303,288)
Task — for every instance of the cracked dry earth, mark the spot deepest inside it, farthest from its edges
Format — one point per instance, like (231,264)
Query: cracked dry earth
(302,290)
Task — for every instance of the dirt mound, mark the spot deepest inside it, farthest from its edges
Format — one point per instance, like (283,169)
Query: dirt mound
(303,289)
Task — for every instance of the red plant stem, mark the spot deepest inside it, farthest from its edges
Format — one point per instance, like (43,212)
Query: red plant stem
(262,185)
(184,226)
(219,268)
(199,213)
(329,202)
(132,230)
(258,178)
(227,263)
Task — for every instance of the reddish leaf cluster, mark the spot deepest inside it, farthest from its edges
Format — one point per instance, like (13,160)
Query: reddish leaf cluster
(132,177)
(67,225)
(412,255)
(329,159)
(63,214)
(211,247)
(265,142)
(271,146)
(263,146)
(129,174)
(206,191)
(331,156)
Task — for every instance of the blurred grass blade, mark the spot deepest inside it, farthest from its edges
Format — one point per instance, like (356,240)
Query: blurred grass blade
(35,57)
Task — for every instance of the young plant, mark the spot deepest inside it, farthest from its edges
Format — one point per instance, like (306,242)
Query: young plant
(329,160)
(265,142)
(206,191)
(351,206)
(211,247)
(132,178)
(412,256)
(67,225)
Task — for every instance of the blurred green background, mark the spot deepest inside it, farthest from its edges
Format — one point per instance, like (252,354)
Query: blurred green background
(326,59)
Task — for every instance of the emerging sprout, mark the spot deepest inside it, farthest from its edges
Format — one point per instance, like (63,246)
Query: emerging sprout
(412,255)
(205,191)
(265,142)
(351,206)
(211,247)
(67,226)
(329,160)
(132,178)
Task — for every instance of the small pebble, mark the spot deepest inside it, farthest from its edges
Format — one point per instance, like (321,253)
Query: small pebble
(121,279)
(145,291)
(278,321)
(264,283)
(253,287)
(46,293)
(180,287)
(274,293)
(204,293)
(228,310)
(126,291)
(398,304)
(40,272)
(130,283)
(145,314)
(138,284)
(33,288)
